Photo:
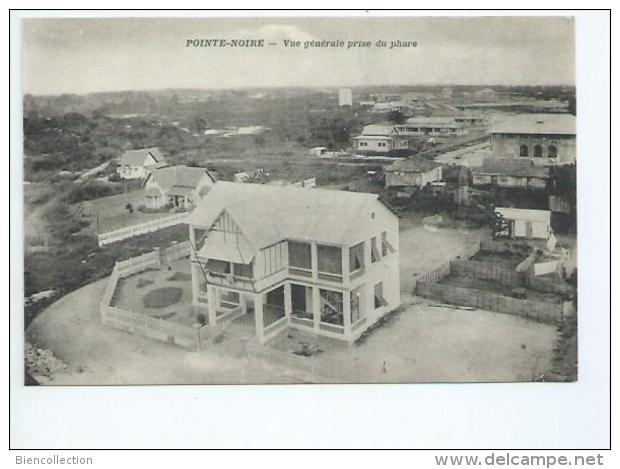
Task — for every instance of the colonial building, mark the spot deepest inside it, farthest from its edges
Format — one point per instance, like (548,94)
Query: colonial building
(545,139)
(412,172)
(321,261)
(176,187)
(137,164)
(433,126)
(379,140)
(510,173)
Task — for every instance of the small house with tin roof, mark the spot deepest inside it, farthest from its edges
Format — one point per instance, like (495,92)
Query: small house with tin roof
(137,164)
(510,173)
(416,171)
(178,187)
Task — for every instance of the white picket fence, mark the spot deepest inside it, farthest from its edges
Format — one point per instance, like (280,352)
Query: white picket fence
(141,228)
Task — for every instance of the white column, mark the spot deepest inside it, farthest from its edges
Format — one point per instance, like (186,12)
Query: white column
(258,317)
(316,307)
(346,312)
(345,265)
(314,256)
(212,305)
(288,301)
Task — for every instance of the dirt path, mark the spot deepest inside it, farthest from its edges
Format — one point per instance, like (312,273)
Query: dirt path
(96,354)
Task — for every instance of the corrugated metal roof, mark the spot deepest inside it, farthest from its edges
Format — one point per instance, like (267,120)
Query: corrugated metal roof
(413,164)
(447,122)
(378,130)
(537,124)
(179,176)
(524,214)
(267,214)
(137,157)
(511,167)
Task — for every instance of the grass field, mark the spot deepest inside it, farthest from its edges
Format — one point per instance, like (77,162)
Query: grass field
(110,213)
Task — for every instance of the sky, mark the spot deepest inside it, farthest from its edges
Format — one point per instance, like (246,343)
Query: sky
(112,54)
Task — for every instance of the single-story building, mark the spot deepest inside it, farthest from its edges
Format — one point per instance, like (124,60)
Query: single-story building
(435,126)
(412,172)
(509,173)
(137,164)
(545,139)
(522,223)
(318,151)
(176,186)
(379,139)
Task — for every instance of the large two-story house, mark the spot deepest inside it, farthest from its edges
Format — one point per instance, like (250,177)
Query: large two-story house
(321,261)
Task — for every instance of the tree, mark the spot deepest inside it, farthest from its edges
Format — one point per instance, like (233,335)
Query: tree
(397,117)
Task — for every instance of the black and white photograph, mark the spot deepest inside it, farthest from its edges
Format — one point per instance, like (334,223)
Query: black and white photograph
(300,200)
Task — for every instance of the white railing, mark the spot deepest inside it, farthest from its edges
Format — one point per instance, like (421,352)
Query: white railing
(141,228)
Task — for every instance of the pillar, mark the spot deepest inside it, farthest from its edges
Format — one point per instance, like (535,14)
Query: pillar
(345,265)
(346,312)
(314,255)
(316,307)
(258,317)
(288,301)
(212,305)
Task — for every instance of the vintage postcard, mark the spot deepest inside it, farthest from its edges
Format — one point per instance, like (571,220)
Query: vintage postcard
(299,200)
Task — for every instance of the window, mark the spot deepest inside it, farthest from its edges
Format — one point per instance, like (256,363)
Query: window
(537,151)
(331,307)
(299,255)
(356,257)
(374,252)
(243,270)
(217,266)
(523,150)
(552,151)
(330,259)
(386,246)
(379,299)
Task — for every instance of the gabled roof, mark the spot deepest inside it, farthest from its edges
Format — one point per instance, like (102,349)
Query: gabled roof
(537,124)
(267,214)
(137,157)
(524,214)
(416,164)
(511,167)
(176,177)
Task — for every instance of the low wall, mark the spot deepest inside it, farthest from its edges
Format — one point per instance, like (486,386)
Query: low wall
(142,324)
(529,309)
(146,326)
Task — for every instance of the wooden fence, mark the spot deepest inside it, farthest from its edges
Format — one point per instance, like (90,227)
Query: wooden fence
(530,309)
(443,271)
(487,271)
(141,228)
(188,337)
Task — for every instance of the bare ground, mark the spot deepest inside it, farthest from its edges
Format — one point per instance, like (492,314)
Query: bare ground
(422,343)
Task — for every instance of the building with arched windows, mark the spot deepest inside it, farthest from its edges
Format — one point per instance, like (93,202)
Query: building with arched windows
(545,139)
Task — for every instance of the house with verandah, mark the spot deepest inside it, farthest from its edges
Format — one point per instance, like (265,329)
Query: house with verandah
(321,261)
(179,187)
